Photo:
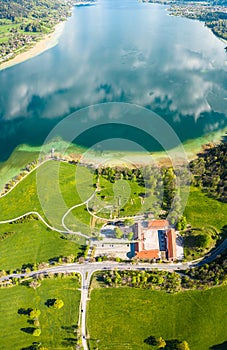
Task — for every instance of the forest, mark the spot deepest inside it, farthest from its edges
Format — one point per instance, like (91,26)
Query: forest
(210,173)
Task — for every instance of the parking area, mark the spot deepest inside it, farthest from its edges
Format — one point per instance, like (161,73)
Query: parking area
(114,248)
(108,231)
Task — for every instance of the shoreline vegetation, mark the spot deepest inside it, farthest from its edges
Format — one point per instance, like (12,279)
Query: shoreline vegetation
(23,38)
(25,153)
(47,42)
(212,13)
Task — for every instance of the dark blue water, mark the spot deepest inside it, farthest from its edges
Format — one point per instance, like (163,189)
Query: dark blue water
(118,51)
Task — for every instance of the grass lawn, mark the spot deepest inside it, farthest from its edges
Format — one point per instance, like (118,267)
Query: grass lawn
(125,195)
(32,242)
(56,325)
(79,220)
(202,211)
(122,318)
(17,161)
(55,187)
(58,187)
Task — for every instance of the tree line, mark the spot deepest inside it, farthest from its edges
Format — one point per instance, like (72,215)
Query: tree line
(209,171)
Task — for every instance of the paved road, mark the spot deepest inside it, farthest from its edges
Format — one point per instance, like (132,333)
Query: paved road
(74,207)
(28,173)
(212,256)
(87,269)
(37,214)
(45,223)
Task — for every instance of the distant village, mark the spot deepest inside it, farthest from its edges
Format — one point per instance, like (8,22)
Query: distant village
(214,15)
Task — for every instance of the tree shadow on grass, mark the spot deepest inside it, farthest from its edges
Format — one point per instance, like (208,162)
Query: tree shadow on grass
(150,340)
(170,344)
(222,346)
(69,341)
(28,330)
(30,322)
(70,329)
(50,302)
(23,311)
(34,346)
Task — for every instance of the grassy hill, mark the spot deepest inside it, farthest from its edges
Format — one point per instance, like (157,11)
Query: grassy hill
(50,190)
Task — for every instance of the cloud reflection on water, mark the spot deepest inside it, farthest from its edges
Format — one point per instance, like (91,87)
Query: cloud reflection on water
(111,55)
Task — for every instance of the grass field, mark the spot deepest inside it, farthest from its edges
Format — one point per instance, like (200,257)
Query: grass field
(202,211)
(55,187)
(79,220)
(133,197)
(123,318)
(12,167)
(56,325)
(51,189)
(31,243)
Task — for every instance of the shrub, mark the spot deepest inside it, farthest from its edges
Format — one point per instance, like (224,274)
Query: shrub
(35,313)
(36,332)
(58,304)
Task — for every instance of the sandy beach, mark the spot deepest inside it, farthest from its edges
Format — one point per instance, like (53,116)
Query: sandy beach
(44,44)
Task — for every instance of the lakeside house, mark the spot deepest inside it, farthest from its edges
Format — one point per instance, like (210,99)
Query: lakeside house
(156,240)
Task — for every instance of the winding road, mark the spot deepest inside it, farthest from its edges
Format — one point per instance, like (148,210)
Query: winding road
(74,207)
(44,222)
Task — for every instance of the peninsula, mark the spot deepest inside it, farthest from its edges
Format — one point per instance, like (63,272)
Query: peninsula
(28,29)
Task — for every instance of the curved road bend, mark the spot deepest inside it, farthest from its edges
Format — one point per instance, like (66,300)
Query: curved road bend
(74,207)
(44,222)
(213,255)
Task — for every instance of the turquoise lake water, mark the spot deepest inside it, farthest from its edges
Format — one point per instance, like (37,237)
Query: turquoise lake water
(118,51)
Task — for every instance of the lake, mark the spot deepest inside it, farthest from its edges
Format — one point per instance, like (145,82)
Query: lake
(125,52)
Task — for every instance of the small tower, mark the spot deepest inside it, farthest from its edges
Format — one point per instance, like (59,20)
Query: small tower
(52,152)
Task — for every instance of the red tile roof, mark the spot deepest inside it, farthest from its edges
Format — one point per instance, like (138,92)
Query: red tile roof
(148,254)
(171,238)
(161,224)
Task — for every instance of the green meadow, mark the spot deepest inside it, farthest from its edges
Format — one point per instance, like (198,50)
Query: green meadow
(57,186)
(123,318)
(50,190)
(202,211)
(58,327)
(31,242)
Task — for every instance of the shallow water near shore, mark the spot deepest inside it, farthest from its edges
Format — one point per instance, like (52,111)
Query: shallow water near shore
(119,51)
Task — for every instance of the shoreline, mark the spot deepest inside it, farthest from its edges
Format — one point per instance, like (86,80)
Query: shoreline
(26,154)
(47,42)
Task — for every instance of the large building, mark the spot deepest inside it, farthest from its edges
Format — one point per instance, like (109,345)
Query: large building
(156,240)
